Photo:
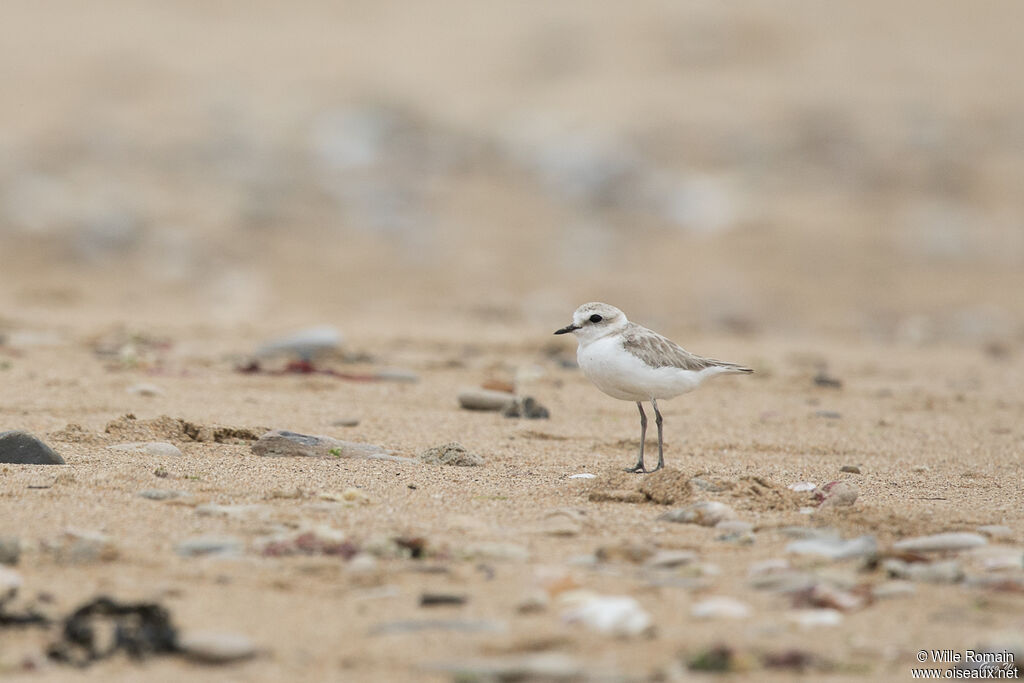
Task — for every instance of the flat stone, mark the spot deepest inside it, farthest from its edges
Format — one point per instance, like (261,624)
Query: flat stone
(704,513)
(835,548)
(670,559)
(948,542)
(163,494)
(815,618)
(546,666)
(154,448)
(284,444)
(209,545)
(21,448)
(10,582)
(456,625)
(305,344)
(720,607)
(928,572)
(10,550)
(485,399)
(217,648)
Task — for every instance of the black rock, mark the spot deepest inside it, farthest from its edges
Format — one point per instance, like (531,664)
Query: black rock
(21,448)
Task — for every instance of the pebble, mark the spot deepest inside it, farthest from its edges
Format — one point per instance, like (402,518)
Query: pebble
(451,454)
(720,607)
(813,618)
(802,486)
(852,469)
(526,407)
(10,582)
(363,563)
(346,422)
(838,494)
(153,448)
(396,375)
(734,526)
(949,571)
(704,513)
(77,546)
(835,548)
(216,647)
(545,666)
(144,389)
(783,581)
(282,444)
(233,511)
(670,559)
(10,550)
(996,532)
(618,615)
(209,545)
(442,600)
(951,542)
(893,589)
(305,344)
(485,399)
(496,550)
(21,448)
(163,494)
(458,625)
(583,475)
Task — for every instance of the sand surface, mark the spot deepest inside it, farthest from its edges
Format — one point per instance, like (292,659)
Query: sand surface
(833,191)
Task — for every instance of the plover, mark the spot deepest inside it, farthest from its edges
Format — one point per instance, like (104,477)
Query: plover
(632,363)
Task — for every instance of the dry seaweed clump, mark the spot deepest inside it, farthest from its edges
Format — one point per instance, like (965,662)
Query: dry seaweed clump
(451,454)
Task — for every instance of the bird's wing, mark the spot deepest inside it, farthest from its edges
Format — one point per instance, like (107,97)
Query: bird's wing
(660,352)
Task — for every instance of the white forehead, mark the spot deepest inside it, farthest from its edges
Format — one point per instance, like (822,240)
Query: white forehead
(606,311)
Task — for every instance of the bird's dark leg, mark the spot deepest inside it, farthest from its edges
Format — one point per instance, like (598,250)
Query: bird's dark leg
(658,421)
(639,467)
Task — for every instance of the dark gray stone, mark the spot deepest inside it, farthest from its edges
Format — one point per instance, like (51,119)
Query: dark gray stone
(283,444)
(21,448)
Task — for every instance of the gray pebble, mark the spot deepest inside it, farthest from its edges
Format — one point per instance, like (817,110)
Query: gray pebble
(704,513)
(281,444)
(346,422)
(954,541)
(485,399)
(10,582)
(852,469)
(949,571)
(217,648)
(163,494)
(526,407)
(10,550)
(835,548)
(670,559)
(21,448)
(209,545)
(304,344)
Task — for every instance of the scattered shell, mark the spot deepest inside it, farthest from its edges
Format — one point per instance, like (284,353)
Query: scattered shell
(583,475)
(802,486)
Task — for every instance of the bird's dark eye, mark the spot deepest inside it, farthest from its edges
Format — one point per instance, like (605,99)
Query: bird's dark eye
(596,318)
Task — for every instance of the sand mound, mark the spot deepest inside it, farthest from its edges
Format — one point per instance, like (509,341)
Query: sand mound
(164,428)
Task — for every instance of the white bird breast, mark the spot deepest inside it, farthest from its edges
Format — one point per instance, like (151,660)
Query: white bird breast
(622,375)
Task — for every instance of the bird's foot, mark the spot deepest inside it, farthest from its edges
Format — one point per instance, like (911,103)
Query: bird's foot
(660,466)
(636,469)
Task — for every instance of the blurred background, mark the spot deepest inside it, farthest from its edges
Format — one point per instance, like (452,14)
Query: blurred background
(764,167)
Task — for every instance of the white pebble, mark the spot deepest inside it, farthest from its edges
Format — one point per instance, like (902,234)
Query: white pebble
(720,607)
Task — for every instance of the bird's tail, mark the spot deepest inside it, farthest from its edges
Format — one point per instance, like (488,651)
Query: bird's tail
(732,368)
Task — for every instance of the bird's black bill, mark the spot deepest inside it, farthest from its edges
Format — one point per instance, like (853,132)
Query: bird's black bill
(567,329)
